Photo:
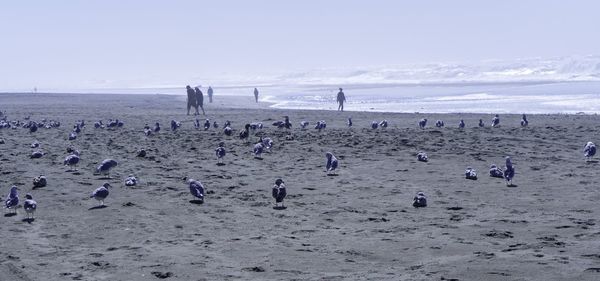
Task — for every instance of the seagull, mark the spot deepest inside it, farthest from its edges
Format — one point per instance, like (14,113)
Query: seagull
(215,125)
(101,193)
(439,123)
(245,132)
(589,151)
(481,124)
(220,152)
(420,200)
(72,160)
(131,181)
(509,172)
(349,122)
(174,125)
(141,153)
(227,131)
(12,200)
(304,124)
(423,123)
(35,144)
(461,125)
(98,124)
(77,129)
(383,124)
(374,125)
(40,181)
(227,123)
(524,121)
(422,156)
(267,143)
(197,124)
(495,121)
(37,154)
(105,166)
(206,124)
(332,163)
(33,127)
(470,174)
(258,125)
(258,149)
(156,127)
(72,136)
(279,192)
(496,172)
(29,205)
(321,125)
(196,189)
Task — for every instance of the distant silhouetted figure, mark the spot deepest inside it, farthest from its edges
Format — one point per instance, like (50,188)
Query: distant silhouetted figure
(341,98)
(199,101)
(191,99)
(256,95)
(210,94)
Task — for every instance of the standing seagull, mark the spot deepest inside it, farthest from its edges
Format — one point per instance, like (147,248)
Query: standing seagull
(156,127)
(101,193)
(423,123)
(72,161)
(197,124)
(374,125)
(481,124)
(524,121)
(439,123)
(196,189)
(383,124)
(332,163)
(303,124)
(227,131)
(589,151)
(105,167)
(12,200)
(267,143)
(245,132)
(461,125)
(30,206)
(279,192)
(496,121)
(220,151)
(349,122)
(509,172)
(258,149)
(206,124)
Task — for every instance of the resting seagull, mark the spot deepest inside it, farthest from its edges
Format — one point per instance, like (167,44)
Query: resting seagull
(196,189)
(589,151)
(279,192)
(509,172)
(37,154)
(267,143)
(439,123)
(40,181)
(496,172)
(12,200)
(383,124)
(423,123)
(101,193)
(470,174)
(105,167)
(30,206)
(422,156)
(303,124)
(131,181)
(227,131)
(332,163)
(420,200)
(220,152)
(374,125)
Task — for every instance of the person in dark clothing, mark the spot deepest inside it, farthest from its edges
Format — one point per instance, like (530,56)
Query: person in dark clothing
(341,98)
(199,101)
(191,99)
(210,94)
(256,95)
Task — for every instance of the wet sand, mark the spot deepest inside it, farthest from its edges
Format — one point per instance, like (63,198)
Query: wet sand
(358,225)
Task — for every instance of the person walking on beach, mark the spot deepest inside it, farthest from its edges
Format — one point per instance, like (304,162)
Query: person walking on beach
(199,101)
(191,99)
(341,98)
(210,93)
(256,95)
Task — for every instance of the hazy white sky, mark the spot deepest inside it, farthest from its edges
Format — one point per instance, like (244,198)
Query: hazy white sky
(73,44)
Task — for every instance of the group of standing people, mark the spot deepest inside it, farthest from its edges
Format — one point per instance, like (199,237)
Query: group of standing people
(195,99)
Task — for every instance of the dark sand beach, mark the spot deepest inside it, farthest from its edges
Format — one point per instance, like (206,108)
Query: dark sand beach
(358,225)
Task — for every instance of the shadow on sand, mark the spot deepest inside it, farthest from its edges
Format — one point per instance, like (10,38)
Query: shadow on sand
(279,207)
(28,220)
(97,207)
(10,215)
(197,201)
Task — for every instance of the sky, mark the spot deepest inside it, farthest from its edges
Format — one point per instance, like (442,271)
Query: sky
(74,44)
